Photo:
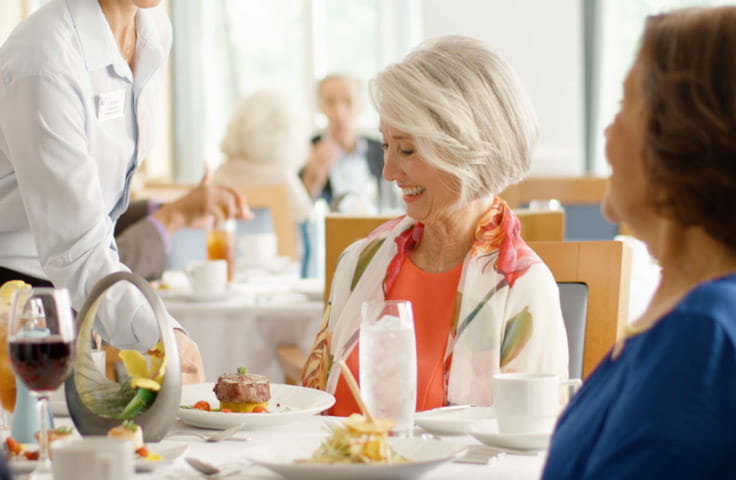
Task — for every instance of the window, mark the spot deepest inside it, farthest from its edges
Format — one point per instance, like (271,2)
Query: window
(226,49)
(621,25)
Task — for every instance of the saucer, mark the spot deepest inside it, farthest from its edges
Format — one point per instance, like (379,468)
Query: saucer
(487,432)
(457,422)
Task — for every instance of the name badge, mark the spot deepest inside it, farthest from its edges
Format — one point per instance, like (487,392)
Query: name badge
(111,105)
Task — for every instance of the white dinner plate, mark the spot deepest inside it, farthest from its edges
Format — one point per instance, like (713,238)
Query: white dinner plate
(456,422)
(423,454)
(312,288)
(169,452)
(288,403)
(487,432)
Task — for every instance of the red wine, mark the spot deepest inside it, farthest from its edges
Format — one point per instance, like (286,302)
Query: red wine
(42,363)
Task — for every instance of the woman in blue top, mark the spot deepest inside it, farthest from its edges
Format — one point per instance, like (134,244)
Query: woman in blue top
(662,404)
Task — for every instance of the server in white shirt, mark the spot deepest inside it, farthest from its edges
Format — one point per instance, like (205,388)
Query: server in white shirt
(79,88)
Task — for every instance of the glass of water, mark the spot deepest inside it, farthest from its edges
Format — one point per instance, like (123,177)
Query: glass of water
(388,362)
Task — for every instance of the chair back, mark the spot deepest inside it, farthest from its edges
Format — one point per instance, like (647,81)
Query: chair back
(580,196)
(604,267)
(275,198)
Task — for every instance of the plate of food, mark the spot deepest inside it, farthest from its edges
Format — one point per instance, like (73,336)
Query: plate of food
(451,421)
(356,449)
(23,457)
(248,399)
(487,432)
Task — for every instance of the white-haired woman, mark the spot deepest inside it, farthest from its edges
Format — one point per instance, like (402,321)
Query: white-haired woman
(266,142)
(457,129)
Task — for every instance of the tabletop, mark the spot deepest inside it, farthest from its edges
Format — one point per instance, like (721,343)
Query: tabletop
(261,310)
(233,454)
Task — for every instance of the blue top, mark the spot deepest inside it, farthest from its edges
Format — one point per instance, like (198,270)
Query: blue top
(666,406)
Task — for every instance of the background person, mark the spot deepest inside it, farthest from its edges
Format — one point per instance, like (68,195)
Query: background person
(143,233)
(342,161)
(663,404)
(457,129)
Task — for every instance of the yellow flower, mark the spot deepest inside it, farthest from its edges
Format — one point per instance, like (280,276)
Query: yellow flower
(145,372)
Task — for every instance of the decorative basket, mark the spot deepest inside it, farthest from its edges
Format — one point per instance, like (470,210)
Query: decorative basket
(87,387)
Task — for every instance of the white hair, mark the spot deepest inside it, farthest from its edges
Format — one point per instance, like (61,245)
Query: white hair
(466,109)
(267,127)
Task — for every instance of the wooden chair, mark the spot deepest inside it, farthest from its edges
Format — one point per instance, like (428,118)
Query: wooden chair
(605,268)
(568,190)
(276,199)
(581,196)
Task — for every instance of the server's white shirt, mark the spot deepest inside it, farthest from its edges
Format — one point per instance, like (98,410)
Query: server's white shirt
(74,125)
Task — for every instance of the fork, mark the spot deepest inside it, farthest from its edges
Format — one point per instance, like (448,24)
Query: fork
(218,436)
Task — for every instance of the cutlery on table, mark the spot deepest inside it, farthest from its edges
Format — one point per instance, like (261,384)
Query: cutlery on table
(449,408)
(218,436)
(212,471)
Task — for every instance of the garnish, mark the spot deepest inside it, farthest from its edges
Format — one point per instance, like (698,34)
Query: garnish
(129,425)
(146,375)
(242,371)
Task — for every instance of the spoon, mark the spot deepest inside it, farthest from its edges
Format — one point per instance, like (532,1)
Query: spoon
(209,470)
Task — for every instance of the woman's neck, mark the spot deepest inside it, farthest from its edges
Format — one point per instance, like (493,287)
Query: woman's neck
(688,257)
(446,242)
(120,15)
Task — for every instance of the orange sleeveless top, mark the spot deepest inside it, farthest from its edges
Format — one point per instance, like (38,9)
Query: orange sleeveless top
(433,297)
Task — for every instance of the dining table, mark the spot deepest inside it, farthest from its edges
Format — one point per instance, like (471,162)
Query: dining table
(261,310)
(232,456)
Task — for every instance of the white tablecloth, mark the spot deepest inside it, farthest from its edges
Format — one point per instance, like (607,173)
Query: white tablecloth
(261,312)
(233,453)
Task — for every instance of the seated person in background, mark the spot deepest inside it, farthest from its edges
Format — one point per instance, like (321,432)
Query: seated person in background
(343,162)
(457,129)
(662,404)
(143,232)
(265,144)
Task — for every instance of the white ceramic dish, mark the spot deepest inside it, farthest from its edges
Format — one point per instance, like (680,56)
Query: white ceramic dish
(312,288)
(288,403)
(487,432)
(424,455)
(457,422)
(169,452)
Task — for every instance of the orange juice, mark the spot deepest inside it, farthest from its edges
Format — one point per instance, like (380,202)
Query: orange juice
(221,246)
(7,378)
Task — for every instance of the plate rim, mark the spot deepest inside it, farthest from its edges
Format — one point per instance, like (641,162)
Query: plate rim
(505,440)
(221,421)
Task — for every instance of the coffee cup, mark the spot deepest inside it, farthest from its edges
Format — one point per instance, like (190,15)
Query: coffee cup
(528,403)
(207,277)
(92,458)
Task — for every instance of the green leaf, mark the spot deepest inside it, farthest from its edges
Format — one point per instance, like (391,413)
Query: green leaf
(140,402)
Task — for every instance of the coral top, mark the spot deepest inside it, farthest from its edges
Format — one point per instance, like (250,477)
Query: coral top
(433,297)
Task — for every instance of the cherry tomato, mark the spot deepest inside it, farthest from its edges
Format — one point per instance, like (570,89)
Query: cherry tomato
(31,455)
(142,452)
(13,446)
(260,410)
(202,405)
(226,410)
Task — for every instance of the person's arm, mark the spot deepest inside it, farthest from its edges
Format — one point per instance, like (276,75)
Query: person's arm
(323,156)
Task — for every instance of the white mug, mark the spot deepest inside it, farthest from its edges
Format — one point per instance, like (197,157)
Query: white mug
(258,248)
(528,403)
(207,277)
(93,458)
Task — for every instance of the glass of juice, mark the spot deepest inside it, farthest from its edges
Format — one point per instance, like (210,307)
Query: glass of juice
(221,245)
(7,379)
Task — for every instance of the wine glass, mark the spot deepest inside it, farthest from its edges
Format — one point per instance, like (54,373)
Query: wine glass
(41,345)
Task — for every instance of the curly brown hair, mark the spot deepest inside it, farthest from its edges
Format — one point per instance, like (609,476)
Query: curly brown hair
(688,79)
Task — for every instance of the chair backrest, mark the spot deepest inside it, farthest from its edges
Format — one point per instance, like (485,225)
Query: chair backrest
(541,226)
(580,196)
(275,198)
(605,269)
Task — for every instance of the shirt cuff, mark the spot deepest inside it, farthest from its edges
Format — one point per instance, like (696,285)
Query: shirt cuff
(163,233)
